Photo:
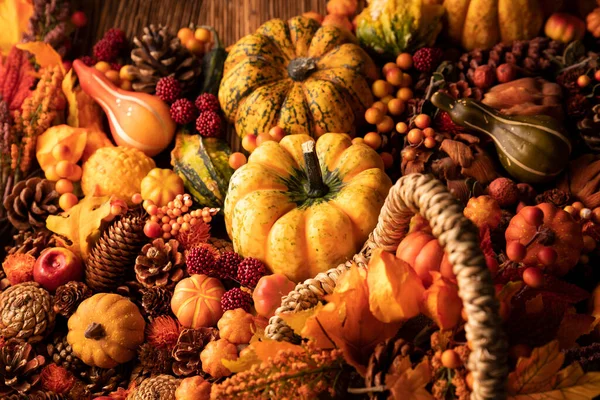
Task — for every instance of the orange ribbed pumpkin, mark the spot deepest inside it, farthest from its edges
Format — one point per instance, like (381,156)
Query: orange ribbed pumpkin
(196,301)
(423,253)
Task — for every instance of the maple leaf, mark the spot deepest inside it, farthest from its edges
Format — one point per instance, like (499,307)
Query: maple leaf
(346,321)
(540,377)
(406,383)
(395,289)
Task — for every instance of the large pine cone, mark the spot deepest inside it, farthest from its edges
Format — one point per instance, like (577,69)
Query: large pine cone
(156,301)
(187,350)
(32,242)
(68,297)
(159,54)
(19,367)
(114,254)
(158,387)
(101,382)
(589,129)
(60,352)
(26,312)
(153,361)
(30,203)
(160,264)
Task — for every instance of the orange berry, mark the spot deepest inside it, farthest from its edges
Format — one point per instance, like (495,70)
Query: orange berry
(236,160)
(185,34)
(380,106)
(277,133)
(451,359)
(583,81)
(203,35)
(137,199)
(409,154)
(388,160)
(373,115)
(415,136)
(571,210)
(381,88)
(386,125)
(533,277)
(249,143)
(373,139)
(64,168)
(61,152)
(596,215)
(126,73)
(422,121)
(67,200)
(116,210)
(387,67)
(407,81)
(358,140)
(589,244)
(51,174)
(194,46)
(429,132)
(404,94)
(396,107)
(102,66)
(404,61)
(597,75)
(394,76)
(63,186)
(263,137)
(430,142)
(113,76)
(401,128)
(386,100)
(126,85)
(75,175)
(578,205)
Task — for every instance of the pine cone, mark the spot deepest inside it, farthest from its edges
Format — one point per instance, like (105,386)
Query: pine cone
(37,395)
(32,242)
(158,387)
(381,360)
(160,264)
(19,367)
(110,261)
(153,360)
(100,381)
(60,352)
(30,203)
(156,301)
(589,129)
(159,54)
(462,90)
(187,350)
(26,312)
(68,297)
(221,244)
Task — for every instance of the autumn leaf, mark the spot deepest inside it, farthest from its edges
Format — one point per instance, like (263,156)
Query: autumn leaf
(81,224)
(44,54)
(74,138)
(258,352)
(395,290)
(14,19)
(346,321)
(406,383)
(441,302)
(571,384)
(573,326)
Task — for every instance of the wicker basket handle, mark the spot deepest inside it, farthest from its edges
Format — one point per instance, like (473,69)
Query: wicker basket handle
(423,194)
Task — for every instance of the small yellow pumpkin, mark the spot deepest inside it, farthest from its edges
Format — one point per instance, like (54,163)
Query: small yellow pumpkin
(212,355)
(106,330)
(161,186)
(237,326)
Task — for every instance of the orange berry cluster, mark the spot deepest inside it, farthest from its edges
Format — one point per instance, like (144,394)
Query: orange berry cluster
(197,41)
(583,214)
(175,217)
(421,135)
(585,80)
(121,78)
(250,142)
(64,173)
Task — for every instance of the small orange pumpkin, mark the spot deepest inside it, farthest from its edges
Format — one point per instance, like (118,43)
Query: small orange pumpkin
(193,388)
(237,326)
(161,186)
(268,293)
(212,355)
(483,210)
(423,253)
(196,301)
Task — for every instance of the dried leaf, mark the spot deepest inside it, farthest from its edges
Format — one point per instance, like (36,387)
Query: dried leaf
(44,54)
(14,19)
(257,353)
(74,138)
(535,305)
(407,383)
(395,290)
(347,321)
(459,152)
(297,320)
(482,168)
(244,362)
(573,326)
(81,224)
(467,138)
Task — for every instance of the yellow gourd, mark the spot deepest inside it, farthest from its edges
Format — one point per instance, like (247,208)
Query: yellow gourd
(161,186)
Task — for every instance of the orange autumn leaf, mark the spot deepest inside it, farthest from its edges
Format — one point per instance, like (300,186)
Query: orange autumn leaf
(257,353)
(81,224)
(44,54)
(297,319)
(395,290)
(14,19)
(74,138)
(573,326)
(347,321)
(406,383)
(441,302)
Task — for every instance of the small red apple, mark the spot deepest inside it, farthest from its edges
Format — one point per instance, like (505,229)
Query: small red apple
(57,266)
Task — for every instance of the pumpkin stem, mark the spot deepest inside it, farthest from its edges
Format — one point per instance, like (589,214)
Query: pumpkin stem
(300,68)
(94,331)
(316,186)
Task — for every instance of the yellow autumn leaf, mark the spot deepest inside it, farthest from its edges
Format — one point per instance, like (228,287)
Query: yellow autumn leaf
(257,353)
(244,362)
(571,384)
(297,320)
(406,383)
(395,290)
(14,20)
(44,54)
(74,138)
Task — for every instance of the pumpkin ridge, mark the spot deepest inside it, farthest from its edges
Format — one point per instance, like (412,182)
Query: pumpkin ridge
(268,28)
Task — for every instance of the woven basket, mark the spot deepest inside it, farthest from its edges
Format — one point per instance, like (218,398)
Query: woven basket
(423,194)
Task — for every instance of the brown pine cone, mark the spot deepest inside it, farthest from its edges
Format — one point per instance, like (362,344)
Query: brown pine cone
(32,242)
(38,395)
(158,387)
(187,350)
(26,312)
(153,360)
(156,301)
(100,381)
(160,264)
(30,203)
(462,90)
(20,368)
(221,244)
(68,297)
(60,352)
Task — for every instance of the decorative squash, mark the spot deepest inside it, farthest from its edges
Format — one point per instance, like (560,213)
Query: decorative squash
(593,22)
(193,388)
(196,301)
(137,120)
(424,254)
(106,330)
(268,293)
(203,164)
(237,326)
(558,230)
(212,355)
(297,75)
(161,186)
(303,210)
(483,23)
(533,149)
(483,210)
(564,27)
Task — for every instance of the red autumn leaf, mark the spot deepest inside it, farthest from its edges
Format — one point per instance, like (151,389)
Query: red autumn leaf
(573,326)
(485,243)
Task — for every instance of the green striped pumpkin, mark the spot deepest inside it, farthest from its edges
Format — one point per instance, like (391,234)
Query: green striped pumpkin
(203,164)
(532,149)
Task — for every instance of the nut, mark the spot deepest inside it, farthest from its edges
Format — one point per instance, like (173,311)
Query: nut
(506,73)
(484,76)
(504,191)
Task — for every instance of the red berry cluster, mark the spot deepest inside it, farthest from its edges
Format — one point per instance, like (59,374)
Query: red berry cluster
(427,59)
(168,89)
(202,260)
(110,46)
(205,109)
(236,298)
(250,271)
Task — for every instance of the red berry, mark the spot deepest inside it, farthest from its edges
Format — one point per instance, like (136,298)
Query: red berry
(89,61)
(427,59)
(250,271)
(533,277)
(207,102)
(202,260)
(208,124)
(547,256)
(168,89)
(152,230)
(79,19)
(236,298)
(515,251)
(183,111)
(533,215)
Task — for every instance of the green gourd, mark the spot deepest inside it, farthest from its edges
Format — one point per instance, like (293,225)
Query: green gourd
(532,149)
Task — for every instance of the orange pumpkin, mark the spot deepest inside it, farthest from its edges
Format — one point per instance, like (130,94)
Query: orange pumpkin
(193,388)
(237,326)
(483,210)
(558,230)
(196,301)
(268,293)
(423,253)
(213,354)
